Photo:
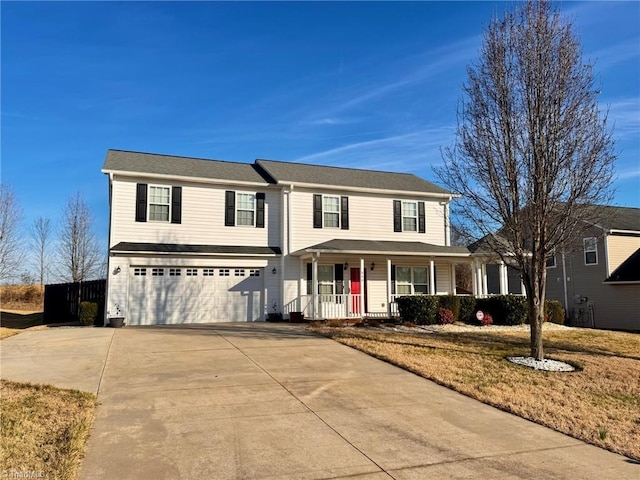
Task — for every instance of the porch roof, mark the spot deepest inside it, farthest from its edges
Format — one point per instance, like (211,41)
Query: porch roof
(376,247)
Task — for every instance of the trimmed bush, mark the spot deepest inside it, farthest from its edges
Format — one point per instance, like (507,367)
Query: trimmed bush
(419,309)
(445,315)
(554,312)
(467,309)
(452,303)
(88,313)
(505,309)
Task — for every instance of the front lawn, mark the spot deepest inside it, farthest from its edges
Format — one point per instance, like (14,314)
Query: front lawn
(599,403)
(43,430)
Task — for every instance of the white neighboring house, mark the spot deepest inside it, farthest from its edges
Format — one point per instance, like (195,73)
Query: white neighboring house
(200,241)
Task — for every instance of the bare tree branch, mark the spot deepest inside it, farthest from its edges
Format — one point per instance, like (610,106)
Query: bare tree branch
(40,237)
(532,146)
(11,252)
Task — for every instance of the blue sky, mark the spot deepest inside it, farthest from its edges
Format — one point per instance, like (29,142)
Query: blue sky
(371,85)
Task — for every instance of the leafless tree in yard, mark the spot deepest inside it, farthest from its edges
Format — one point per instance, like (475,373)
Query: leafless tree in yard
(11,252)
(41,231)
(533,155)
(79,253)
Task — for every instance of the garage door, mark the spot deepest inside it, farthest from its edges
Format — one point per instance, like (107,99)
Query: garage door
(174,295)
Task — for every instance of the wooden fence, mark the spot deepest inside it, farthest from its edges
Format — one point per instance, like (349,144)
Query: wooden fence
(62,300)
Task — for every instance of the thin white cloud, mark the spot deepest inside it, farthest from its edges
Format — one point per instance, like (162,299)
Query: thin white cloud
(629,174)
(624,115)
(605,58)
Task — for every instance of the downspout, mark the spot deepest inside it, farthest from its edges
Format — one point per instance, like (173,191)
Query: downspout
(447,224)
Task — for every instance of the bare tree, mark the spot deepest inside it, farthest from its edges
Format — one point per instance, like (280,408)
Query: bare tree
(78,248)
(533,155)
(40,238)
(11,252)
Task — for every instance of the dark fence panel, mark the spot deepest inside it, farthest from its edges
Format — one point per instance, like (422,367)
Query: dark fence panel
(62,300)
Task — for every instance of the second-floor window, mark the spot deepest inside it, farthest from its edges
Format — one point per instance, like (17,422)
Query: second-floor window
(409,216)
(246,210)
(159,203)
(331,211)
(590,250)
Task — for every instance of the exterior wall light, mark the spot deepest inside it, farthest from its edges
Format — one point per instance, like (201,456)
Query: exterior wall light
(274,271)
(116,270)
(373,265)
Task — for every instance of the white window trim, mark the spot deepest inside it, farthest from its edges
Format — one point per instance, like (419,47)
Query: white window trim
(149,203)
(403,216)
(585,251)
(412,282)
(333,213)
(238,209)
(325,282)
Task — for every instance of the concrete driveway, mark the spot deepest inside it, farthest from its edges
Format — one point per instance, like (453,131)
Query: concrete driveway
(272,401)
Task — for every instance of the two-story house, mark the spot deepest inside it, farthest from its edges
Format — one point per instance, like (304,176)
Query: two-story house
(195,240)
(597,277)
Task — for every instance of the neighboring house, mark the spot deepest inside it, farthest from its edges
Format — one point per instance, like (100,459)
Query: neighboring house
(597,278)
(193,240)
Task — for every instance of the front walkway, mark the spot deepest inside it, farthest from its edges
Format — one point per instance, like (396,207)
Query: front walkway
(249,401)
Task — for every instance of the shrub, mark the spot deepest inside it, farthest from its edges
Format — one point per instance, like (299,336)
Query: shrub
(487,320)
(467,309)
(452,303)
(88,313)
(553,312)
(420,309)
(504,309)
(445,316)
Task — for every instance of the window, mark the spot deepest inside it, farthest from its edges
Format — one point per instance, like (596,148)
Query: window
(140,272)
(551,261)
(207,272)
(331,212)
(409,217)
(411,280)
(325,280)
(246,209)
(223,272)
(159,202)
(157,272)
(239,272)
(192,272)
(590,251)
(254,273)
(175,272)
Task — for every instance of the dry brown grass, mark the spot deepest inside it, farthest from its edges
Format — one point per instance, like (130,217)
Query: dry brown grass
(599,403)
(22,297)
(44,429)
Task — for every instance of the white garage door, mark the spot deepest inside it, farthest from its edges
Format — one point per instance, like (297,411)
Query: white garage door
(174,295)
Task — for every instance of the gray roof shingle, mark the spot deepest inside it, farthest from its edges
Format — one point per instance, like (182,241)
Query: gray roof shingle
(347,177)
(135,247)
(375,246)
(138,162)
(619,218)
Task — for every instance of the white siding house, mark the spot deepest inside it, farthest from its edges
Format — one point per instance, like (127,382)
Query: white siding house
(199,241)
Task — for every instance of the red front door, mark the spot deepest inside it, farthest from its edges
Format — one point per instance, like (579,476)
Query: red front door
(355,290)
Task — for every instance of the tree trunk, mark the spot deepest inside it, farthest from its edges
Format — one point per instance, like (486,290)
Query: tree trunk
(536,317)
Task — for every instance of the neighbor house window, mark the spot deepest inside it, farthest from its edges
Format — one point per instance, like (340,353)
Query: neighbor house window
(411,280)
(331,211)
(551,261)
(409,216)
(246,210)
(159,202)
(590,251)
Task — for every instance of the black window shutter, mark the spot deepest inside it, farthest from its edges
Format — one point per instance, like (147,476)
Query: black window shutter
(230,208)
(339,278)
(393,279)
(176,205)
(317,211)
(344,213)
(141,202)
(260,210)
(397,216)
(421,218)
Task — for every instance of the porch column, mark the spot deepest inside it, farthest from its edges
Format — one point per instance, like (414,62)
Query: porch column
(483,274)
(453,279)
(432,277)
(474,279)
(389,299)
(479,278)
(502,273)
(362,287)
(314,287)
(302,287)
(522,290)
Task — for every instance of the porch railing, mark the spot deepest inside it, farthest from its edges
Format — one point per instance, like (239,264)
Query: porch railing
(333,305)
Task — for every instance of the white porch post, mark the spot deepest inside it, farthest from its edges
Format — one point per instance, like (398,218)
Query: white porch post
(474,279)
(503,277)
(522,290)
(483,274)
(314,286)
(432,277)
(303,274)
(453,279)
(362,287)
(389,299)
(479,278)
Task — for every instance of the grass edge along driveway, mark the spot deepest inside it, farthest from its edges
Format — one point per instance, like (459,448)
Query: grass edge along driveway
(598,404)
